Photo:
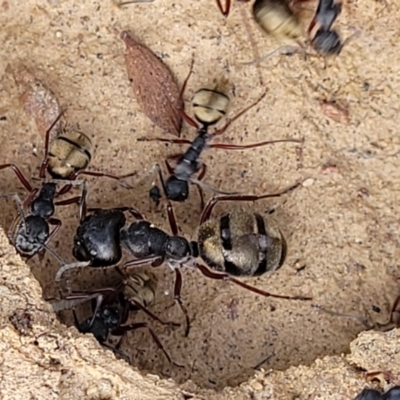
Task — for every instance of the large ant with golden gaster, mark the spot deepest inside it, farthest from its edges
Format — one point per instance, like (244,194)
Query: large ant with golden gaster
(209,107)
(237,244)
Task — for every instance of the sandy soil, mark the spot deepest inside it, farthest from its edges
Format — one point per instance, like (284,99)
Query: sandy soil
(341,226)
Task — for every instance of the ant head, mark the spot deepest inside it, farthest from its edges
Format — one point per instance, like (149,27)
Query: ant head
(177,248)
(80,252)
(176,189)
(105,320)
(110,316)
(31,235)
(327,42)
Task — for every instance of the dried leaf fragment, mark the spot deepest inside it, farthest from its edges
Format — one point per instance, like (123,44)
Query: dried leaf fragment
(38,101)
(335,111)
(155,87)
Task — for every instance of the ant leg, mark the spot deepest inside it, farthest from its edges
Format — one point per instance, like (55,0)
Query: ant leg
(227,146)
(282,50)
(386,375)
(125,3)
(213,201)
(57,225)
(178,299)
(67,303)
(225,127)
(186,117)
(30,198)
(311,26)
(78,299)
(103,174)
(151,315)
(224,10)
(43,165)
(66,188)
(225,277)
(17,201)
(394,310)
(171,219)
(120,331)
(199,189)
(68,267)
(20,208)
(153,260)
(21,177)
(361,320)
(80,200)
(164,140)
(172,157)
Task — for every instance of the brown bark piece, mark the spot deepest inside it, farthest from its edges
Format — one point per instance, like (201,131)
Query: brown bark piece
(38,101)
(155,87)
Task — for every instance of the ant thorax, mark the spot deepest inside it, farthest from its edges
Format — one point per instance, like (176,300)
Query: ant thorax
(184,170)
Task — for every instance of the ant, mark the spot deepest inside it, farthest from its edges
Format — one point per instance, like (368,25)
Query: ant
(276,17)
(372,394)
(111,308)
(235,245)
(326,41)
(64,160)
(209,107)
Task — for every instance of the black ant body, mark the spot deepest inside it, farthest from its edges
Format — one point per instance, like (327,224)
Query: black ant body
(372,394)
(30,231)
(326,41)
(111,308)
(237,244)
(209,107)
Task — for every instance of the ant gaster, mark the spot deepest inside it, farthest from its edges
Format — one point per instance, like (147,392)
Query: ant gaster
(209,107)
(65,158)
(237,244)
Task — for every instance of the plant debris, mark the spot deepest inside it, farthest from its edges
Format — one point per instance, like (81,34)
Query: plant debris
(155,87)
(38,101)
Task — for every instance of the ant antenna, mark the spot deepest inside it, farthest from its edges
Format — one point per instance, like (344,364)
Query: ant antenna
(283,50)
(67,267)
(18,202)
(54,254)
(210,188)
